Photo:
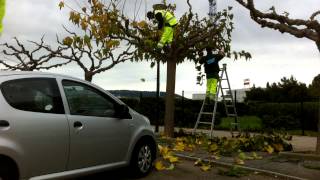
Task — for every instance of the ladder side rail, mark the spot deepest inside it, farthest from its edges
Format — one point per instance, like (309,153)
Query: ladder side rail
(222,92)
(199,115)
(215,107)
(234,108)
(231,95)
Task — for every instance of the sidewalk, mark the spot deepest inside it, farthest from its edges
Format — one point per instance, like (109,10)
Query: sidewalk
(299,143)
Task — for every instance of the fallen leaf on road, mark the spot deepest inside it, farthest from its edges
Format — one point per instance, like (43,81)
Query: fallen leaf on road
(198,162)
(159,166)
(205,168)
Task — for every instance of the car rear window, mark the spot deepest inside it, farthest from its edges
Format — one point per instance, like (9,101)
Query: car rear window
(33,94)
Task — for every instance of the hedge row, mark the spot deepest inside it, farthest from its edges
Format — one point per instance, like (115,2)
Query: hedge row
(274,115)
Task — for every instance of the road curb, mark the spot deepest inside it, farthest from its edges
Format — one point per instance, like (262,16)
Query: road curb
(311,157)
(228,165)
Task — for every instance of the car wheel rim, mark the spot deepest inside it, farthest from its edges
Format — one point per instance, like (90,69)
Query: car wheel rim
(144,159)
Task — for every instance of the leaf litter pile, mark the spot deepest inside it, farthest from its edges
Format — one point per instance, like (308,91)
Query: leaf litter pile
(242,148)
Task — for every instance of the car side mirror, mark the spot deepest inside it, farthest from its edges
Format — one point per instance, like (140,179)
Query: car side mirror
(122,111)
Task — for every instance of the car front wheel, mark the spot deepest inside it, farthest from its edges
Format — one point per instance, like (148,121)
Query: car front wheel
(142,159)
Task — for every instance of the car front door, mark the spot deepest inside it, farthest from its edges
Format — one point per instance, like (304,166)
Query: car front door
(96,137)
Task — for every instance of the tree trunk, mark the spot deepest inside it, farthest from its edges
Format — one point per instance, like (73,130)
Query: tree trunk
(88,76)
(170,98)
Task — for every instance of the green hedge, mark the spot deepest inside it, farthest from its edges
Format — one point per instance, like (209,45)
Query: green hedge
(273,115)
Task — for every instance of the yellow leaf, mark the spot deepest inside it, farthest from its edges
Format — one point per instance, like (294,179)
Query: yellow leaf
(242,156)
(278,147)
(255,156)
(67,41)
(159,166)
(213,147)
(179,146)
(205,168)
(199,142)
(269,149)
(215,157)
(238,161)
(198,162)
(171,167)
(142,24)
(61,5)
(190,147)
(171,159)
(163,150)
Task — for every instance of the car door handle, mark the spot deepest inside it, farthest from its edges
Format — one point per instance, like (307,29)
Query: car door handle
(4,123)
(77,125)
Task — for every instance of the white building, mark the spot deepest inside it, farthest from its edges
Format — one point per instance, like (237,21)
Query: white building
(239,94)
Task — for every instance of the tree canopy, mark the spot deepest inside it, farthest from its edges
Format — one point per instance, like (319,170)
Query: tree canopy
(92,46)
(191,36)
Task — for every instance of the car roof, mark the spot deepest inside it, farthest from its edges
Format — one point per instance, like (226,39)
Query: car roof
(13,73)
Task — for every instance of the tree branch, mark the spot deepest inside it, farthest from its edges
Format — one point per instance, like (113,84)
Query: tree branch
(297,27)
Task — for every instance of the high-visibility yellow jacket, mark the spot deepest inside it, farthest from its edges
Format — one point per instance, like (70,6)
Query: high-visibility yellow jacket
(2,11)
(169,19)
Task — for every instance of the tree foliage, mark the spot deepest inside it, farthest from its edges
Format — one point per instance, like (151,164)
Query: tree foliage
(314,88)
(287,90)
(92,45)
(191,36)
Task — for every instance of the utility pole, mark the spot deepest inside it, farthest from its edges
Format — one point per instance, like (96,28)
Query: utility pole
(158,93)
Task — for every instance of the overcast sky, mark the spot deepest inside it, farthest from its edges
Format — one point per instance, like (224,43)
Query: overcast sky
(275,55)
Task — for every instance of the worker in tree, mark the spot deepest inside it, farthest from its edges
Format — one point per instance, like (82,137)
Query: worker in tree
(166,23)
(2,12)
(211,68)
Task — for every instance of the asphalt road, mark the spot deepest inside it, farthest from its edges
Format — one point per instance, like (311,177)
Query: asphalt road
(185,170)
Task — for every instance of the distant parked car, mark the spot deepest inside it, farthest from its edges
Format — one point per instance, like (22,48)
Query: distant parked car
(54,126)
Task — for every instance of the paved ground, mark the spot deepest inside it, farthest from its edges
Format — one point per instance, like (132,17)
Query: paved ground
(187,171)
(183,171)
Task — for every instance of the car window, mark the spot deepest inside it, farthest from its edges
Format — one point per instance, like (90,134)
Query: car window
(33,94)
(87,101)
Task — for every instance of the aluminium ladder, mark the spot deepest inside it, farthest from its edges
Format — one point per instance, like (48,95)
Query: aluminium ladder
(228,102)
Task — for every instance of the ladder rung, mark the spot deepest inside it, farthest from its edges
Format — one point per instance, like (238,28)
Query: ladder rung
(208,113)
(223,79)
(232,115)
(201,122)
(225,88)
(229,105)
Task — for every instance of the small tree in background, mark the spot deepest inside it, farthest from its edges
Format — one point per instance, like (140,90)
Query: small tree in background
(314,87)
(91,45)
(19,57)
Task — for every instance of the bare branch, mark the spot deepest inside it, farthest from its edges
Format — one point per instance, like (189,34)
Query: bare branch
(313,16)
(297,27)
(29,60)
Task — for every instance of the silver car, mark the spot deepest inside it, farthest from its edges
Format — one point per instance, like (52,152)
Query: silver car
(54,126)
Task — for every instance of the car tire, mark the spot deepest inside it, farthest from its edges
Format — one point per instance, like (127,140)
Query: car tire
(7,173)
(142,159)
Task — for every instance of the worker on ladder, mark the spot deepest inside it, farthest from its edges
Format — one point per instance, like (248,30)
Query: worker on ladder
(166,22)
(2,12)
(211,68)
